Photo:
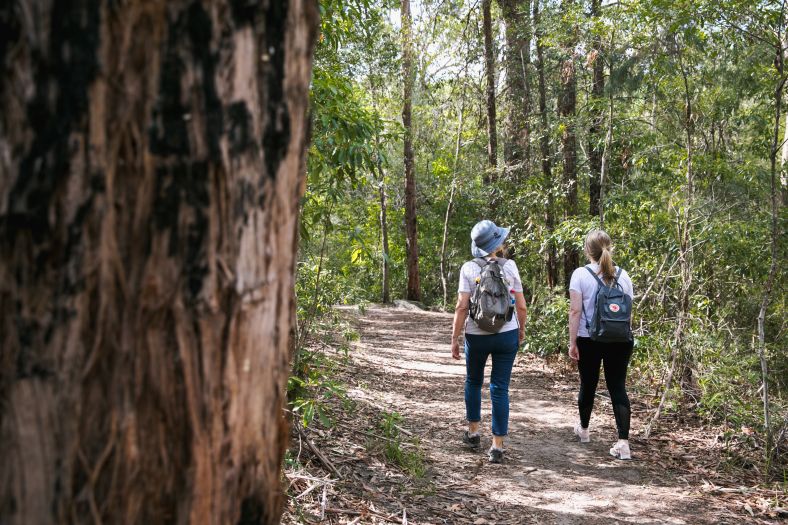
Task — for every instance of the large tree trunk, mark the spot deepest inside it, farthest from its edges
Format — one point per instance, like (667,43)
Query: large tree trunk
(567,101)
(489,69)
(544,150)
(151,168)
(596,133)
(516,150)
(411,233)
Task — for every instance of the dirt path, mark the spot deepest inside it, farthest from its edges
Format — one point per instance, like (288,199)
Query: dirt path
(403,364)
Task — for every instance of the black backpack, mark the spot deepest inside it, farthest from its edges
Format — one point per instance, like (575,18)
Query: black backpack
(612,321)
(491,306)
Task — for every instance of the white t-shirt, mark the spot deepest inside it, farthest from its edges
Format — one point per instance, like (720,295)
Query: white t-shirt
(468,274)
(584,282)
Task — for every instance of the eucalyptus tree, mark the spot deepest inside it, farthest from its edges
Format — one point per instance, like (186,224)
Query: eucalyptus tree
(545,153)
(596,133)
(567,104)
(151,175)
(411,229)
(489,69)
(517,153)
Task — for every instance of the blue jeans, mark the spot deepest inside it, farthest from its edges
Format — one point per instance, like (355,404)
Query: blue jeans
(503,348)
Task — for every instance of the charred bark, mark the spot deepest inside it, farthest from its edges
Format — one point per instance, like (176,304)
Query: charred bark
(149,183)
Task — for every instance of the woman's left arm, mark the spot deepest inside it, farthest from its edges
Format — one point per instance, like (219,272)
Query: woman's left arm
(522,314)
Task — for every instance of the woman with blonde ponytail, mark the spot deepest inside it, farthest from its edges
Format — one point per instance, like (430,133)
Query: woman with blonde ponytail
(591,354)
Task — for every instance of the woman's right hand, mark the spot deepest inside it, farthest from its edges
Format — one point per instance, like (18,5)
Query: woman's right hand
(574,353)
(455,348)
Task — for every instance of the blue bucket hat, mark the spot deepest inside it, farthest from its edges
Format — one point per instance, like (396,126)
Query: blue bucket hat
(486,237)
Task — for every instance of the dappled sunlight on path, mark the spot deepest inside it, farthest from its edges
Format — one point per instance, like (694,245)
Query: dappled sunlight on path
(405,365)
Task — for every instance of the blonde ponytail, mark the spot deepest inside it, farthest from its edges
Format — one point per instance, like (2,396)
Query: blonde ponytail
(598,248)
(606,265)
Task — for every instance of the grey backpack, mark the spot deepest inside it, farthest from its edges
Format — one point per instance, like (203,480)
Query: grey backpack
(611,322)
(491,306)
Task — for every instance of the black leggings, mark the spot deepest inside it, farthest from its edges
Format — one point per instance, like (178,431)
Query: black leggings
(615,357)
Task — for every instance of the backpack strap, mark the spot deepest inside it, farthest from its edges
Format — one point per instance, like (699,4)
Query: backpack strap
(588,324)
(601,285)
(481,262)
(595,276)
(615,277)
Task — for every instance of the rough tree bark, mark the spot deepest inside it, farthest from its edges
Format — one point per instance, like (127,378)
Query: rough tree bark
(567,101)
(596,134)
(411,232)
(151,162)
(544,150)
(489,69)
(516,149)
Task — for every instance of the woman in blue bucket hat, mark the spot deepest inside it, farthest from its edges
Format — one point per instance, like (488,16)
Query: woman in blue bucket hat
(499,340)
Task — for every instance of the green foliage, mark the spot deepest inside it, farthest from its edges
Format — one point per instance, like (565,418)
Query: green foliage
(546,331)
(313,389)
(658,55)
(403,453)
(313,384)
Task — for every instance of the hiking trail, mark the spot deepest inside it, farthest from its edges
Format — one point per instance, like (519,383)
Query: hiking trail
(402,363)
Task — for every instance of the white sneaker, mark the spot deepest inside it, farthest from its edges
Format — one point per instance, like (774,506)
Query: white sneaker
(582,433)
(621,450)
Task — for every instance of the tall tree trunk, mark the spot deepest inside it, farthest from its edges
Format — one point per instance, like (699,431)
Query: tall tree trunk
(516,150)
(605,158)
(384,231)
(148,212)
(775,201)
(449,206)
(603,168)
(544,151)
(678,358)
(489,69)
(596,135)
(685,241)
(411,233)
(783,176)
(567,102)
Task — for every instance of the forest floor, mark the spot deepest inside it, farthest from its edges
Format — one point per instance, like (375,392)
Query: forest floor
(393,453)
